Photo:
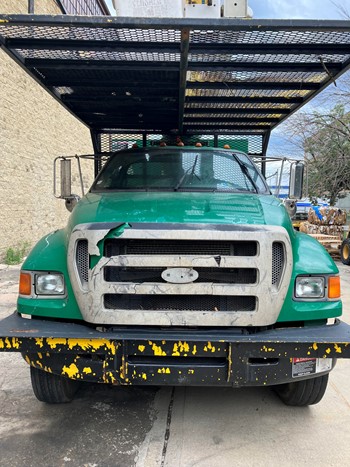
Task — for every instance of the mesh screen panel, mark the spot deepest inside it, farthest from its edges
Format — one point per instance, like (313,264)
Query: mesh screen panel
(179,302)
(211,275)
(82,260)
(277,262)
(251,144)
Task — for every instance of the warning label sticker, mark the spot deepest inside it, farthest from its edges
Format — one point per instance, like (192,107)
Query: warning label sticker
(310,366)
(303,366)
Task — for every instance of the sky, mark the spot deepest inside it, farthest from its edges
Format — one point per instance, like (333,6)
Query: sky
(299,9)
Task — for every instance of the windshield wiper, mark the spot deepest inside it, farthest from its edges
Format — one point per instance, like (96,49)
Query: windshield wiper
(246,173)
(190,169)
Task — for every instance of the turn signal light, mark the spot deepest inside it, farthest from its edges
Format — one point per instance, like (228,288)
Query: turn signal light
(25,284)
(334,287)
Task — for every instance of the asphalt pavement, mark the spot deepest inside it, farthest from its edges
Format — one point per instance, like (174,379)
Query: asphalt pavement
(170,427)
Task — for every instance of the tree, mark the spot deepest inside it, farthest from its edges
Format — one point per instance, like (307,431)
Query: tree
(325,141)
(327,151)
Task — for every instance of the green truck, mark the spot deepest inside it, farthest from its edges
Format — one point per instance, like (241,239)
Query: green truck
(178,267)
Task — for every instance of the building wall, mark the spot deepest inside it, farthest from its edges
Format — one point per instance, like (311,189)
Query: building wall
(34,129)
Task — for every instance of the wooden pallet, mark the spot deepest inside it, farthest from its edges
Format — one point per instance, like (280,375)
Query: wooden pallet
(331,243)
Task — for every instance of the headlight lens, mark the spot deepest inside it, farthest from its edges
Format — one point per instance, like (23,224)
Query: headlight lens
(49,284)
(309,287)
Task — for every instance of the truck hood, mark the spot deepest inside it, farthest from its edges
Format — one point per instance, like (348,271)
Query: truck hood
(181,207)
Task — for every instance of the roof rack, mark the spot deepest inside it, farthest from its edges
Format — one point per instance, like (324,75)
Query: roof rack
(215,78)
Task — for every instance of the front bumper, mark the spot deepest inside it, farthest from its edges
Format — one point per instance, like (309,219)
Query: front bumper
(168,356)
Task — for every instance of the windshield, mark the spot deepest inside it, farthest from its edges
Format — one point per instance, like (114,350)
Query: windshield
(180,170)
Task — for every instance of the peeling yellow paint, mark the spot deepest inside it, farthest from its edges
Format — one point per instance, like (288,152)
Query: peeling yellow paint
(328,350)
(158,351)
(122,369)
(314,346)
(194,351)
(87,370)
(268,349)
(72,371)
(191,372)
(54,342)
(144,376)
(39,341)
(14,343)
(40,355)
(109,377)
(183,347)
(176,352)
(93,344)
(337,348)
(164,370)
(229,370)
(27,359)
(163,342)
(141,348)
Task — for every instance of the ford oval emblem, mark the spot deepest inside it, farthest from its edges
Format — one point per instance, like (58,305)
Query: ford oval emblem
(179,275)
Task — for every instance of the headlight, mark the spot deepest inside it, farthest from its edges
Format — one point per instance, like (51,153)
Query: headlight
(310,287)
(49,284)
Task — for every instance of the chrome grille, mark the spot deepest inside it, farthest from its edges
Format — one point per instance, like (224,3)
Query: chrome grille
(243,274)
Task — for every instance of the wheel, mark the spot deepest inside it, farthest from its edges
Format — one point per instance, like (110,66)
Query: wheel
(52,389)
(345,252)
(303,393)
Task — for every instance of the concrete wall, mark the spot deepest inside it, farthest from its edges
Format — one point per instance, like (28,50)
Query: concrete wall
(34,129)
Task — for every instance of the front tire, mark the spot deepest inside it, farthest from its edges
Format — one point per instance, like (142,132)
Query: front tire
(303,393)
(52,389)
(345,252)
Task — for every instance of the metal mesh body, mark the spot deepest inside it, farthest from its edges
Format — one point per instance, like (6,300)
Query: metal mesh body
(194,78)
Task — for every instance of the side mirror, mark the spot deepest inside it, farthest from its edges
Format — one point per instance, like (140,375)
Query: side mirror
(72,202)
(296,180)
(66,178)
(66,181)
(291,207)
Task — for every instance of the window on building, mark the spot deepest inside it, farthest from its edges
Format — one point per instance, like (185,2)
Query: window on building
(85,7)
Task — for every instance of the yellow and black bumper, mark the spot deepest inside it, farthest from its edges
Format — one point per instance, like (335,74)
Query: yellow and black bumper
(167,356)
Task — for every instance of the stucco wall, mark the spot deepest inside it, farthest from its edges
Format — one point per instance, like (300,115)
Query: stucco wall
(34,129)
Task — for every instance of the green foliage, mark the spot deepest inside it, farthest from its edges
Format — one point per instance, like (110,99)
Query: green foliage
(15,255)
(324,137)
(327,148)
